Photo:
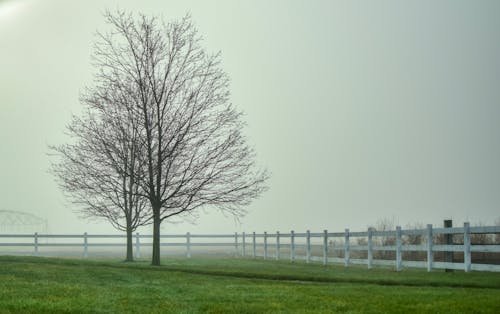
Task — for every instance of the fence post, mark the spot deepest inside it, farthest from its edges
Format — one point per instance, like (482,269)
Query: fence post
(188,245)
(292,246)
(448,257)
(265,245)
(277,245)
(137,246)
(467,256)
(254,245)
(36,243)
(325,247)
(236,243)
(347,248)
(308,246)
(370,248)
(85,246)
(398,248)
(430,256)
(243,243)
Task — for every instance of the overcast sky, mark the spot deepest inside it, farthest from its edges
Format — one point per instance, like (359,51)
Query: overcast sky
(361,110)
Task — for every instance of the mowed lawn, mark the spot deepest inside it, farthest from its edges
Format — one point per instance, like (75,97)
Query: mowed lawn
(236,285)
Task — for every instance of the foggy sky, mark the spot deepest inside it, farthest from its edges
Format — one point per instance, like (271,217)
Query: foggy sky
(361,110)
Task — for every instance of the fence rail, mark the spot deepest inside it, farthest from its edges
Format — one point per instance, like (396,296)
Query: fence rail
(260,245)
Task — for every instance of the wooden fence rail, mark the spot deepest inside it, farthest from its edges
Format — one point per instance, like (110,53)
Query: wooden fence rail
(290,241)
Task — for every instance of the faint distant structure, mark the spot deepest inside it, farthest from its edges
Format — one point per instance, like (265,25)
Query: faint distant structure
(19,222)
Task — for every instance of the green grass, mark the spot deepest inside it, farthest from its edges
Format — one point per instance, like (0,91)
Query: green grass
(218,285)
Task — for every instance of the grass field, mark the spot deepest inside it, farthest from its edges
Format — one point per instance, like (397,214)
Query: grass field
(232,285)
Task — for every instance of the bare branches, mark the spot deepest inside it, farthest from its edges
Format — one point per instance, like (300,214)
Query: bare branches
(159,127)
(98,171)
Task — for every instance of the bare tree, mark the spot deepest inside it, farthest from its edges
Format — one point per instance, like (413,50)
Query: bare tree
(99,170)
(197,156)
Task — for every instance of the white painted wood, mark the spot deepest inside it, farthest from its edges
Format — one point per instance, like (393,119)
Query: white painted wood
(416,264)
(359,247)
(80,245)
(17,236)
(316,259)
(455,230)
(385,233)
(495,248)
(447,248)
(359,261)
(417,248)
(467,255)
(137,246)
(428,247)
(36,243)
(85,246)
(265,245)
(445,265)
(19,244)
(199,236)
(485,267)
(277,245)
(485,229)
(399,255)
(180,236)
(325,247)
(191,244)
(430,257)
(308,246)
(381,262)
(384,248)
(89,236)
(243,243)
(178,244)
(315,235)
(370,248)
(413,232)
(236,243)
(336,234)
(359,234)
(336,260)
(254,246)
(347,248)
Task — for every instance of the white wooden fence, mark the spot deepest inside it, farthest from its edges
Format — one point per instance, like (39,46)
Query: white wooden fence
(300,246)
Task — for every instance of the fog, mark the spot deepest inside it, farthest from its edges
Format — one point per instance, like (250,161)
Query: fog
(361,111)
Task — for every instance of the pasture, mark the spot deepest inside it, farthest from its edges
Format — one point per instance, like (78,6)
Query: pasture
(236,285)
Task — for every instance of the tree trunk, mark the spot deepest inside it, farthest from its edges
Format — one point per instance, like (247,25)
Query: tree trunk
(156,237)
(130,254)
